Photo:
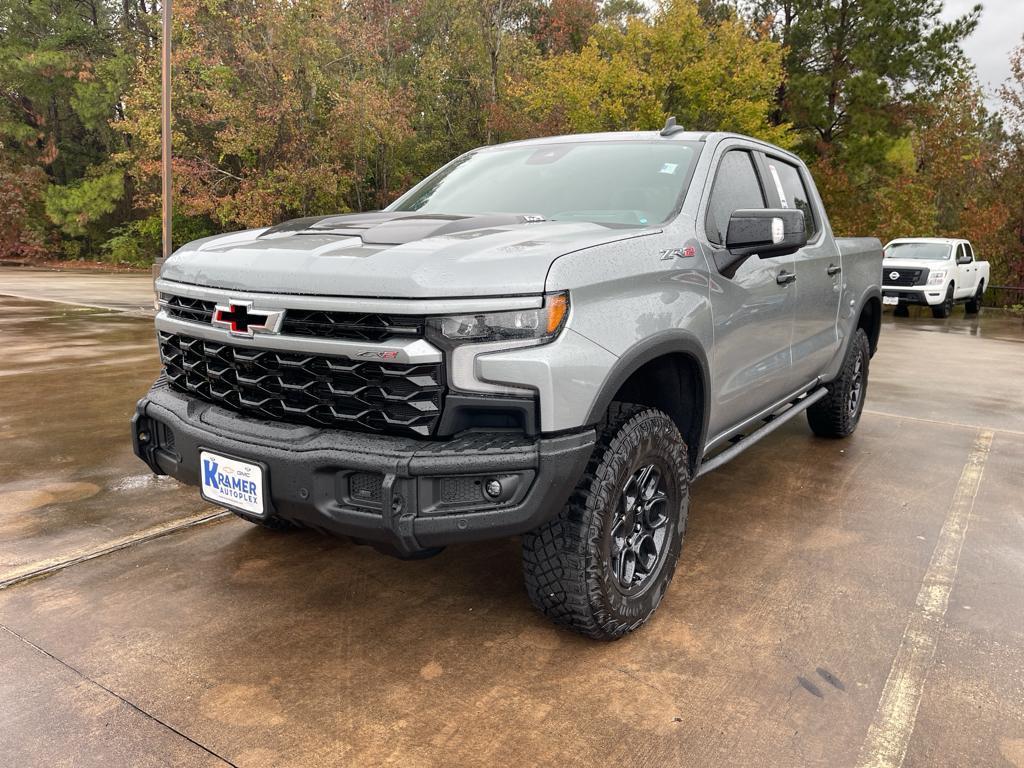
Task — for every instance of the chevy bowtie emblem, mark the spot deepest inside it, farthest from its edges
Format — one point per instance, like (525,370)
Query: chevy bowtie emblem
(241,319)
(894,275)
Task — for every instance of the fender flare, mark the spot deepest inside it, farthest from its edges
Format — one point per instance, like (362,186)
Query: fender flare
(873,292)
(668,342)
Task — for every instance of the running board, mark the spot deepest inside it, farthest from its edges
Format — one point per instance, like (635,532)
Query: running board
(771,423)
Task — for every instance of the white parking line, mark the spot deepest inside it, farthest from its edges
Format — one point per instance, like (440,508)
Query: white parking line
(959,424)
(889,735)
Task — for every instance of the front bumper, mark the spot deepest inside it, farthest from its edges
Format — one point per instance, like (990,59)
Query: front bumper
(403,492)
(925,296)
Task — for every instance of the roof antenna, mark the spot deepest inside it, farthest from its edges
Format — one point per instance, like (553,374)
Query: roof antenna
(671,127)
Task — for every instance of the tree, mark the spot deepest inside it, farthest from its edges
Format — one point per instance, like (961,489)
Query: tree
(853,66)
(63,68)
(718,77)
(1012,176)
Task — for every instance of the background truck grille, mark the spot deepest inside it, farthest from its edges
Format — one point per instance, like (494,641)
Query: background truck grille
(906,276)
(350,325)
(307,388)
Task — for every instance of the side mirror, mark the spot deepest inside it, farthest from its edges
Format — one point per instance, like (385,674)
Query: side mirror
(963,260)
(766,232)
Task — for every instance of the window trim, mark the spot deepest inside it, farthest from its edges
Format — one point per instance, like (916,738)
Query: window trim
(816,218)
(750,152)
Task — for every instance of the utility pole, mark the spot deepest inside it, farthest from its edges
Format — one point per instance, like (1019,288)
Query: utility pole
(165,130)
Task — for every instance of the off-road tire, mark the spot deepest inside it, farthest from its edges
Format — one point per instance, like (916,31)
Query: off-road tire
(568,562)
(945,309)
(836,415)
(973,306)
(270,522)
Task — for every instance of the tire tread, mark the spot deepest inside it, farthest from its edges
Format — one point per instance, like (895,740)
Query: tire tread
(561,576)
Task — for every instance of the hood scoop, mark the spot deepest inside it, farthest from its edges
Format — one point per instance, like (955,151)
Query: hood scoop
(395,227)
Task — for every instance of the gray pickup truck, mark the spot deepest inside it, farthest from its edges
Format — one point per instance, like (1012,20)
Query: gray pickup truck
(548,338)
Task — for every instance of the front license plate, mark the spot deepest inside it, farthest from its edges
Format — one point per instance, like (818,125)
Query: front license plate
(890,299)
(233,483)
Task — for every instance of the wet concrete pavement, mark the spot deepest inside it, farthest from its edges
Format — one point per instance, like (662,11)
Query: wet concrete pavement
(794,633)
(69,378)
(131,292)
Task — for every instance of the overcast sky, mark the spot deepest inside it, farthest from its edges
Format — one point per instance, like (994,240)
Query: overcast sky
(1000,31)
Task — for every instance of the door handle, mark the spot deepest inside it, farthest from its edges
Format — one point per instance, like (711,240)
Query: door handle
(784,277)
(834,270)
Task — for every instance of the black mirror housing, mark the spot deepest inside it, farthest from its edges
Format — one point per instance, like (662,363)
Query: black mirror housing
(766,232)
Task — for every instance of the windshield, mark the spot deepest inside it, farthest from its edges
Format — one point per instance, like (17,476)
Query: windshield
(929,251)
(629,183)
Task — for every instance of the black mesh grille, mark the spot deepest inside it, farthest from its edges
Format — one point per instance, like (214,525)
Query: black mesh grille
(366,486)
(184,308)
(307,388)
(460,489)
(350,325)
(904,277)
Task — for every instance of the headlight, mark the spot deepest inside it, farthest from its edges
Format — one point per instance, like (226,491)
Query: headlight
(538,325)
(937,277)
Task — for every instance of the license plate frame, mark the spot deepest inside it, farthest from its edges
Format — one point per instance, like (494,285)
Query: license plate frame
(239,484)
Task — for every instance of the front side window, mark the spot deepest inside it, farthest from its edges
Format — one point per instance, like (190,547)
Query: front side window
(627,183)
(792,192)
(735,187)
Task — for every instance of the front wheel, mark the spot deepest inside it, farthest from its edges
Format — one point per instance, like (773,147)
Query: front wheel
(945,309)
(838,414)
(603,564)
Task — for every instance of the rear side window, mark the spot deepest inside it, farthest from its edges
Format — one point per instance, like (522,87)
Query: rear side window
(792,192)
(736,187)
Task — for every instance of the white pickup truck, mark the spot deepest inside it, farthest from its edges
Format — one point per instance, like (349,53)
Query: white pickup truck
(934,271)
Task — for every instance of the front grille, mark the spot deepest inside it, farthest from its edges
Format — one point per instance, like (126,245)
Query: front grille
(350,325)
(354,326)
(185,308)
(326,391)
(904,277)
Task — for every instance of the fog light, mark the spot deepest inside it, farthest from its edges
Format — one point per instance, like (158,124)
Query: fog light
(143,437)
(492,488)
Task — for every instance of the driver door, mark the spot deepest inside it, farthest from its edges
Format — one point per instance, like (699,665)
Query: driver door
(752,308)
(967,283)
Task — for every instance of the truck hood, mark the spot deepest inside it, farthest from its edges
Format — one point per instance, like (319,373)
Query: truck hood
(391,254)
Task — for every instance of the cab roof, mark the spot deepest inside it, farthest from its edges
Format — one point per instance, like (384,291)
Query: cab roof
(575,138)
(937,240)
(711,137)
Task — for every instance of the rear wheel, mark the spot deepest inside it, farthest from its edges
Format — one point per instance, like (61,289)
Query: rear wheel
(974,305)
(838,414)
(602,566)
(902,310)
(945,309)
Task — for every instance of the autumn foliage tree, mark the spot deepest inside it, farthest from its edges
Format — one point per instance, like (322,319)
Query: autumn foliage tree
(285,108)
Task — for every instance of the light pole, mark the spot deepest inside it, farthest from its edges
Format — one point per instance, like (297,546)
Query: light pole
(165,130)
